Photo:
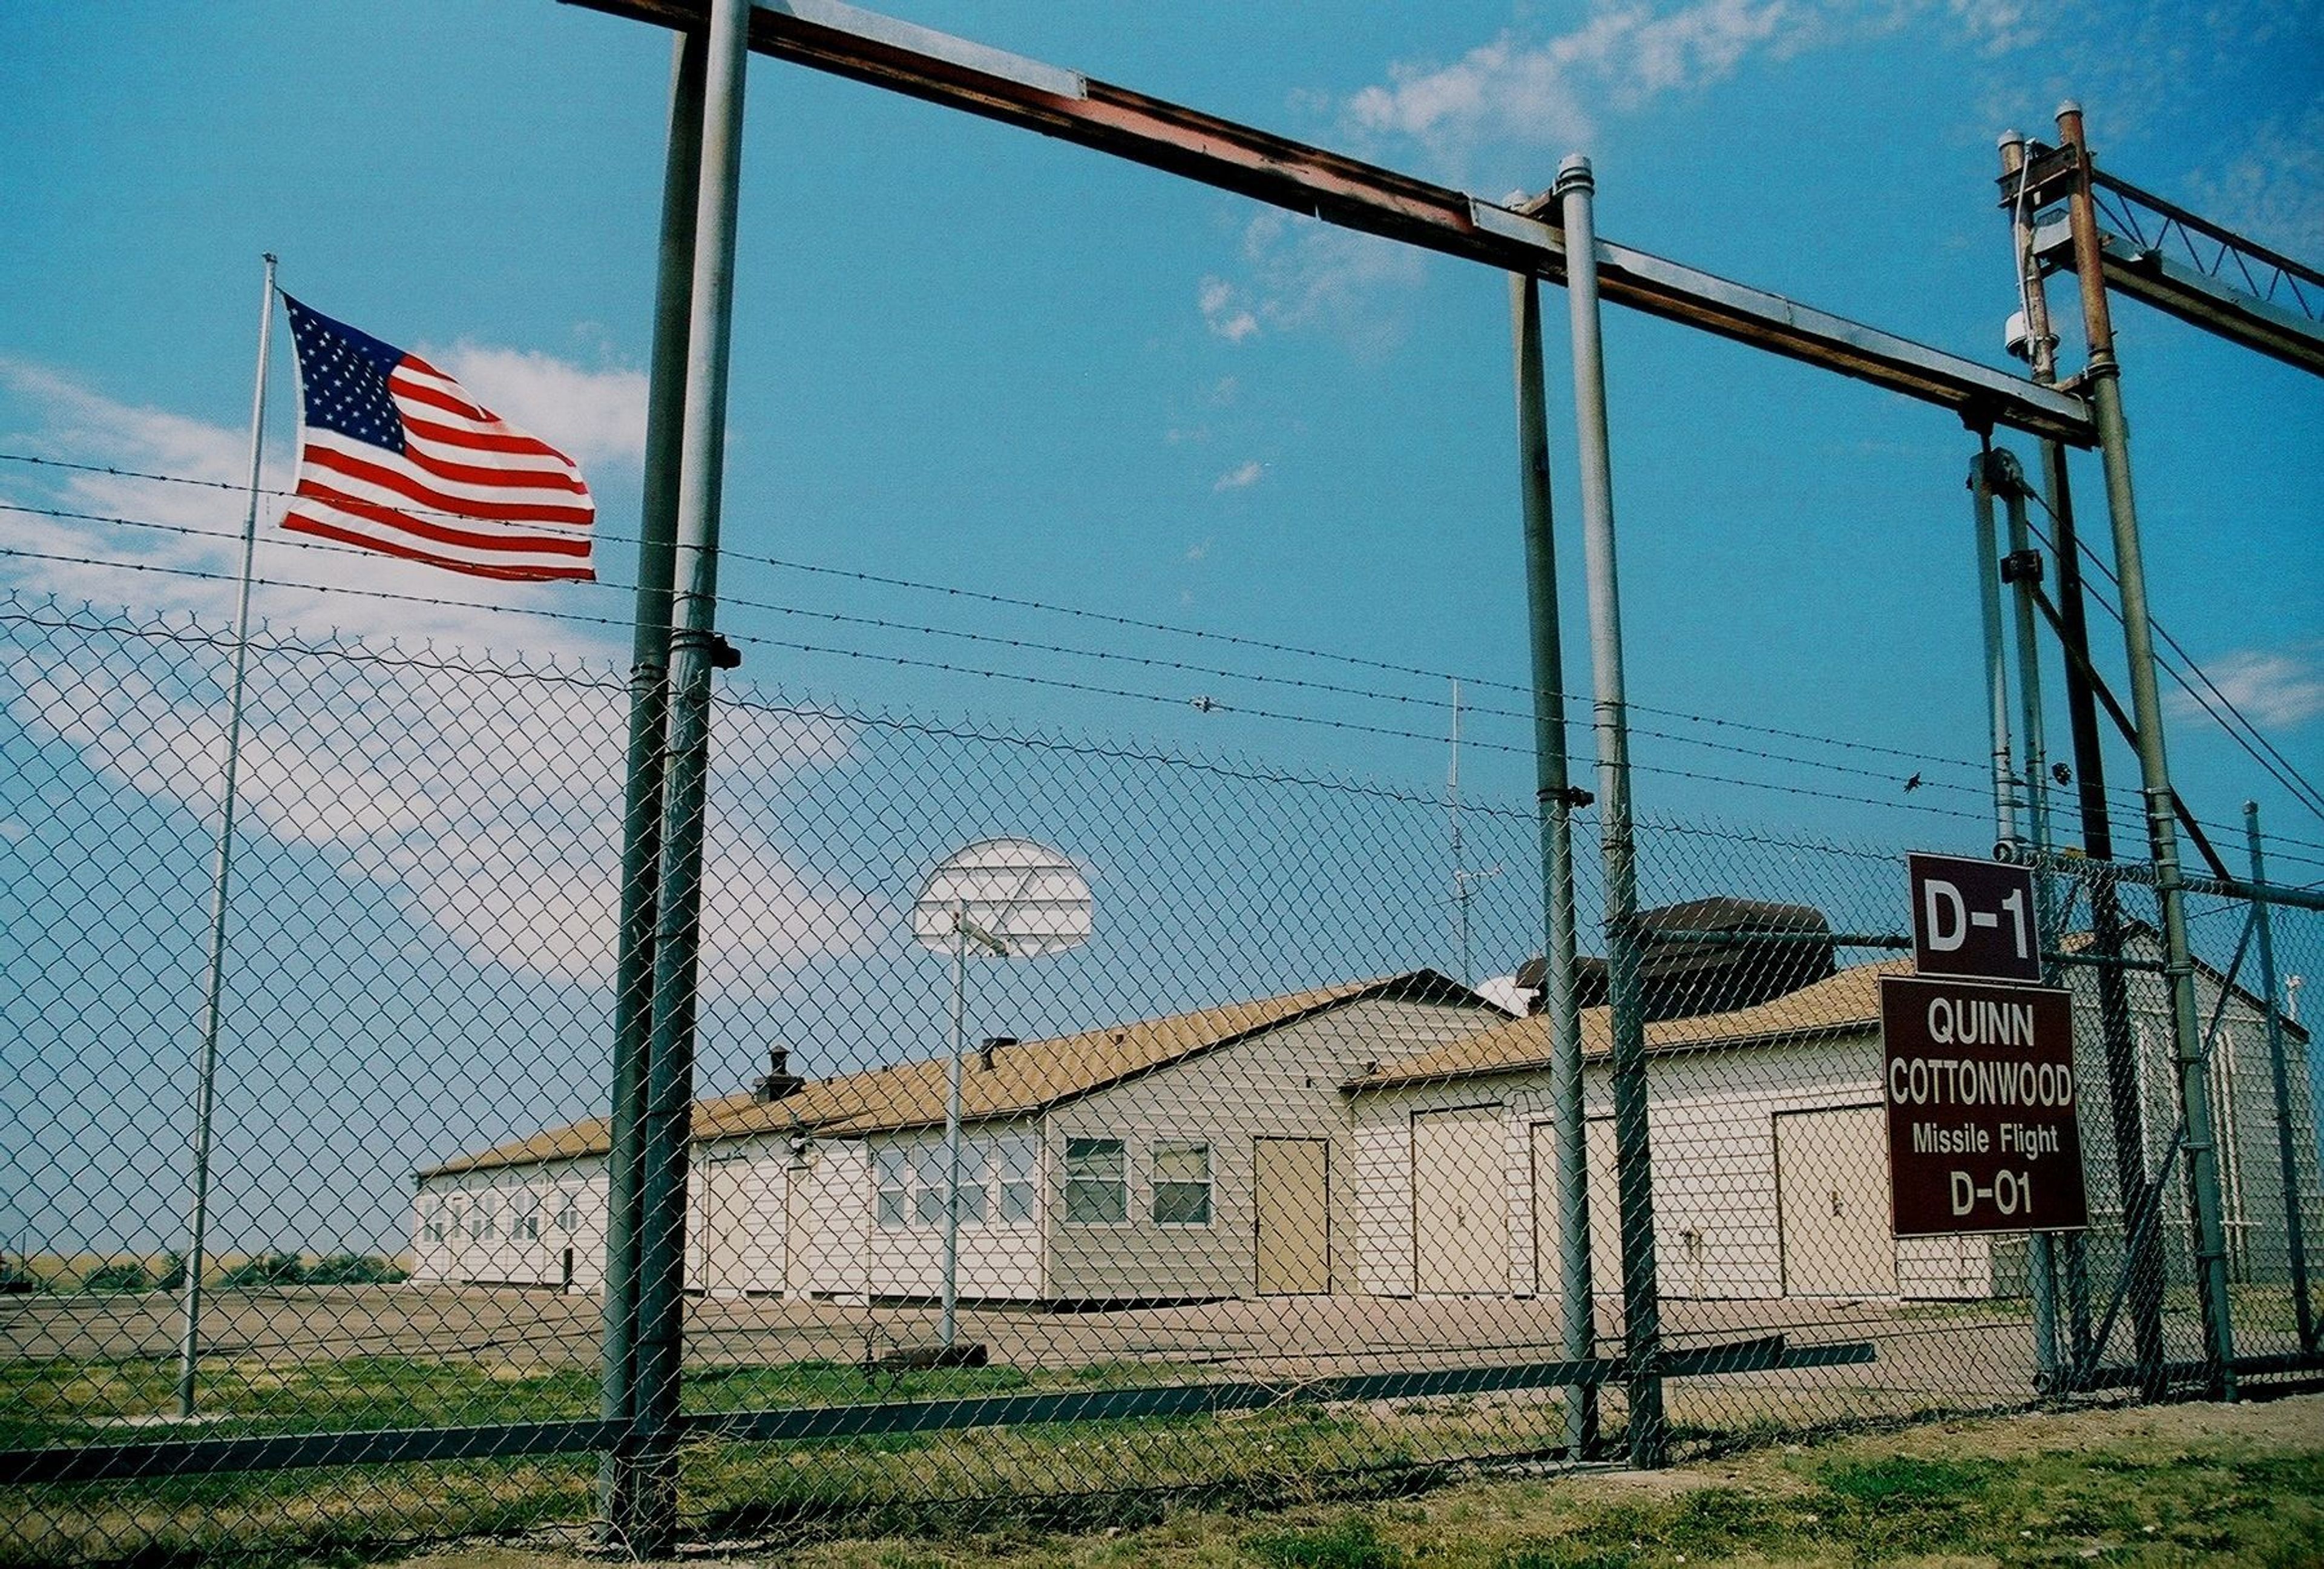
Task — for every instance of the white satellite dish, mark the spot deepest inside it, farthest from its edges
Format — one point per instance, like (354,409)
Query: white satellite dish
(1011,897)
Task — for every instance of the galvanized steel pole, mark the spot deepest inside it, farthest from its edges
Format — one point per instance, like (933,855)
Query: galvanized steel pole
(1983,471)
(693,645)
(2103,378)
(2003,771)
(1641,1302)
(2142,1246)
(189,1334)
(2287,1166)
(641,812)
(2042,1248)
(1555,800)
(948,1323)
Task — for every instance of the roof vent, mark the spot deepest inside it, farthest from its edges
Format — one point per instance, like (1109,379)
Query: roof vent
(780,1080)
(992,1043)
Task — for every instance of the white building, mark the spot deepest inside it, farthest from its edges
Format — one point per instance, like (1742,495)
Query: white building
(1203,1155)
(1769,1144)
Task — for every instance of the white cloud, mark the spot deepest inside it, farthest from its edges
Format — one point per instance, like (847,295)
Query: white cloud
(594,417)
(1196,552)
(1242,477)
(1223,312)
(2276,688)
(1309,274)
(488,807)
(1513,91)
(2272,190)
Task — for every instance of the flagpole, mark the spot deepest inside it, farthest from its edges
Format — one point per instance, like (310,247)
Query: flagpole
(189,1340)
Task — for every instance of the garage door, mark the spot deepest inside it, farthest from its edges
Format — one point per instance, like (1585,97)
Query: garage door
(1292,1177)
(1461,1202)
(1831,1193)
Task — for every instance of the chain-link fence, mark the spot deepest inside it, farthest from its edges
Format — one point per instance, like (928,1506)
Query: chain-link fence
(1259,1189)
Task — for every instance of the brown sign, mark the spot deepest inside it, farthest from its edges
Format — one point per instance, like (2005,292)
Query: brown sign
(1982,1129)
(1973,919)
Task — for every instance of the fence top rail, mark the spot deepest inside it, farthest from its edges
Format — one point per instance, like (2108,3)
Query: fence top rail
(958,74)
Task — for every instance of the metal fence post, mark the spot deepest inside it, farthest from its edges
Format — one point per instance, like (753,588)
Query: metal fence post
(1555,800)
(2141,1251)
(642,791)
(2019,570)
(1641,1302)
(2295,1228)
(1984,469)
(693,645)
(2103,378)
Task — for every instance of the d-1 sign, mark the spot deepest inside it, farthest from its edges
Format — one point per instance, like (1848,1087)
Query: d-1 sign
(1973,919)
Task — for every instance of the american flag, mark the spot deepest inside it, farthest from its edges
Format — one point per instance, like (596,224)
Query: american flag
(394,456)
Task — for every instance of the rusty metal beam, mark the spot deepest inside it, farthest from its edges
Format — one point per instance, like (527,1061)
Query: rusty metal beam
(957,74)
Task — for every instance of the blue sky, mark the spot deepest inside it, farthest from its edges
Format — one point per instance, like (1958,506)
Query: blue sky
(977,360)
(969,356)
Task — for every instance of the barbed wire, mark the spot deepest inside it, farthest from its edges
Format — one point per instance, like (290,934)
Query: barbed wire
(2281,768)
(1108,618)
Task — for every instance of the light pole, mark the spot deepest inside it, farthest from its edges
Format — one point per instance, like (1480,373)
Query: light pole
(1012,898)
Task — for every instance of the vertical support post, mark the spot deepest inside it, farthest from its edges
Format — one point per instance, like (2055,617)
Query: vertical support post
(2142,1247)
(2103,379)
(1641,1300)
(693,644)
(2004,771)
(189,1334)
(2018,570)
(1556,798)
(1985,472)
(641,809)
(2287,1166)
(949,1324)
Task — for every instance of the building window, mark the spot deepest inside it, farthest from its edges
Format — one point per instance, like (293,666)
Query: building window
(524,1216)
(1020,1177)
(928,1184)
(568,1212)
(975,1179)
(891,1162)
(485,1220)
(1182,1184)
(455,1211)
(432,1220)
(1097,1186)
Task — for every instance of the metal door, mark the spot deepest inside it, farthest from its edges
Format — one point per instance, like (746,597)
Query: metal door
(1461,1202)
(1831,1195)
(1293,1178)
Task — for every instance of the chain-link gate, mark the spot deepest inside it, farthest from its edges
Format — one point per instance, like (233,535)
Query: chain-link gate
(1257,1191)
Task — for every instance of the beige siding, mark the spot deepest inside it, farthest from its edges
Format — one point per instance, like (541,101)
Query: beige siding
(1711,1134)
(1282,1084)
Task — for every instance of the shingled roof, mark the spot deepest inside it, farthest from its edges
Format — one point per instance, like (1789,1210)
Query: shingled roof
(1842,1004)
(1025,1077)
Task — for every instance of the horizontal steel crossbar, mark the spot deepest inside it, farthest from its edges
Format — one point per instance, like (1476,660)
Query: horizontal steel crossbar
(285,1452)
(957,74)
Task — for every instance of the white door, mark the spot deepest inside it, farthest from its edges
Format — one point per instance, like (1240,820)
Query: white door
(1831,1195)
(1461,1202)
(742,1218)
